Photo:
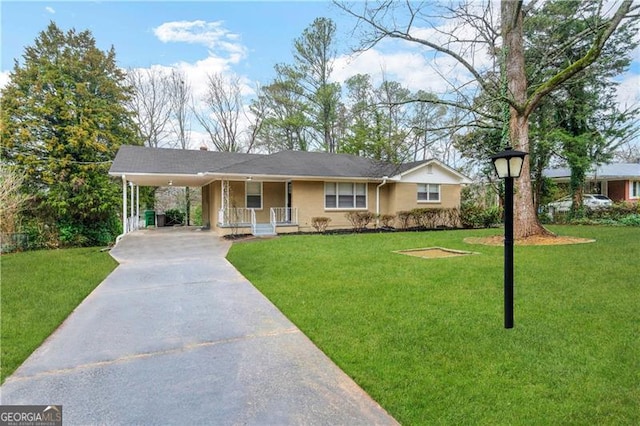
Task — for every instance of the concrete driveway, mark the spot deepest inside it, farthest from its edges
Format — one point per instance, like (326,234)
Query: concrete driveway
(175,335)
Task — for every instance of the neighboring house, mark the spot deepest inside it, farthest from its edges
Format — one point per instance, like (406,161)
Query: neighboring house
(618,181)
(282,192)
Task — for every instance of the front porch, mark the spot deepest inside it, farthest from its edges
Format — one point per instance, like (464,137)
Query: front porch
(250,206)
(243,220)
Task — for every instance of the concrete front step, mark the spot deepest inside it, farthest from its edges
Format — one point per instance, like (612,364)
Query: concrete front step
(264,229)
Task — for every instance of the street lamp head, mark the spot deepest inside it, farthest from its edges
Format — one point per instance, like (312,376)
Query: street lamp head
(508,163)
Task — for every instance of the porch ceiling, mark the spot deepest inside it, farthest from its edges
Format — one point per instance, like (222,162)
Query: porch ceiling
(154,179)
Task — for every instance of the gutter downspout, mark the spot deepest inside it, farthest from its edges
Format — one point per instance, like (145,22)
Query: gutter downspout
(384,182)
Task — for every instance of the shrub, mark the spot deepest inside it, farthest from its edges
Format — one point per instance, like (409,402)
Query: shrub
(425,217)
(436,218)
(452,217)
(13,242)
(492,216)
(616,211)
(197,215)
(359,220)
(387,220)
(40,235)
(471,215)
(623,213)
(103,233)
(631,220)
(405,218)
(174,217)
(475,216)
(85,235)
(71,234)
(320,223)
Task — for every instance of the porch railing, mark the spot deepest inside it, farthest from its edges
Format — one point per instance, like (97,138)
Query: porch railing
(240,216)
(134,223)
(284,215)
(237,216)
(253,221)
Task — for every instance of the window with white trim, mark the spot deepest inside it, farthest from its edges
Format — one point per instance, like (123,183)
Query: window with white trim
(428,192)
(345,195)
(254,195)
(634,189)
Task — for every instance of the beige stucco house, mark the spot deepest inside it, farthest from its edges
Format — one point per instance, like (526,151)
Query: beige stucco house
(282,192)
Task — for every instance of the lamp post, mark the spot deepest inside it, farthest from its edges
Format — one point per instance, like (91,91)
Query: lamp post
(508,165)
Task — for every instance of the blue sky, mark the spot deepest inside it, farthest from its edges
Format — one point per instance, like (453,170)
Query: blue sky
(265,30)
(246,38)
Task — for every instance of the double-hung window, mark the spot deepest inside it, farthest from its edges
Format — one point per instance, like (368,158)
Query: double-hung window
(254,195)
(634,189)
(345,195)
(428,192)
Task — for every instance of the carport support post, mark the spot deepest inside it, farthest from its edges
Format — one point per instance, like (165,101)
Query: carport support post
(124,204)
(132,225)
(137,206)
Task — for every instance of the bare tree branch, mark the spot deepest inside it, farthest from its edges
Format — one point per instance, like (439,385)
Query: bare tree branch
(150,104)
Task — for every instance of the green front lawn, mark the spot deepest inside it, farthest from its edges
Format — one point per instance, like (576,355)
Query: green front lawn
(425,337)
(39,290)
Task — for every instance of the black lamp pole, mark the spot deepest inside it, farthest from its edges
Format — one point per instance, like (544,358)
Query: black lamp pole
(508,252)
(508,165)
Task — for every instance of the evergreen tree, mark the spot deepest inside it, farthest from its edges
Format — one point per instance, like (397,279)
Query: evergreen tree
(63,119)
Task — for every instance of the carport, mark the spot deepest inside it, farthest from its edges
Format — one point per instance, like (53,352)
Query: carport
(131,183)
(139,166)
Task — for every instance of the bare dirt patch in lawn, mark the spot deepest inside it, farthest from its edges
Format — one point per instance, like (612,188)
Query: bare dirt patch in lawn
(536,240)
(434,252)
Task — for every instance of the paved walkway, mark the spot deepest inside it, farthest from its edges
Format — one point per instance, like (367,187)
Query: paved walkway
(175,335)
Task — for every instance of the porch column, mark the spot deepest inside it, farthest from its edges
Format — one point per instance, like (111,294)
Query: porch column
(137,206)
(131,225)
(124,204)
(222,206)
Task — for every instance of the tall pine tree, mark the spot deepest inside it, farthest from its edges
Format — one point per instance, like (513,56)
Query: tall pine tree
(63,119)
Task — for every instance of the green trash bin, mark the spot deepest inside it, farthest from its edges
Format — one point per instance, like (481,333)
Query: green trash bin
(149,218)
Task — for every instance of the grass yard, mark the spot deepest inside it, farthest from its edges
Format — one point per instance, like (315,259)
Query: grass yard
(425,337)
(39,290)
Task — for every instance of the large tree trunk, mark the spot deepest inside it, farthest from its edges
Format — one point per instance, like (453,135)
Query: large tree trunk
(525,217)
(526,221)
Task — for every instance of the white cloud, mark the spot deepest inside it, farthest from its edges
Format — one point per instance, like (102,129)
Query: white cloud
(50,10)
(213,35)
